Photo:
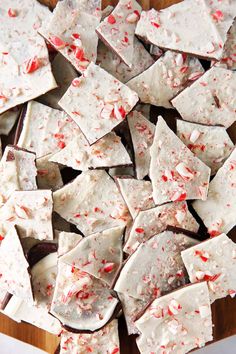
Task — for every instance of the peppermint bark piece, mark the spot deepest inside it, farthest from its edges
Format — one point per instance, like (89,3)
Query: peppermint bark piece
(106,152)
(72,32)
(142,134)
(215,262)
(92,202)
(46,130)
(15,276)
(64,74)
(218,211)
(104,341)
(155,220)
(99,254)
(162,266)
(116,67)
(108,102)
(210,100)
(25,72)
(212,145)
(175,172)
(168,76)
(228,59)
(117,30)
(48,174)
(9,181)
(179,321)
(195,27)
(8,119)
(136,193)
(81,301)
(31,211)
(67,241)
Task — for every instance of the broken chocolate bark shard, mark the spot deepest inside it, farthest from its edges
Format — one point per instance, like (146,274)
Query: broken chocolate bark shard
(180,320)
(108,101)
(117,30)
(195,27)
(210,144)
(105,153)
(155,220)
(213,261)
(67,241)
(72,32)
(105,340)
(99,254)
(48,174)
(218,211)
(142,134)
(175,172)
(39,251)
(92,202)
(228,58)
(210,100)
(15,276)
(168,76)
(81,301)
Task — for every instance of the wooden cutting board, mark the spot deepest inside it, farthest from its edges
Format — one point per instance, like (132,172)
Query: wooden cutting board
(224,310)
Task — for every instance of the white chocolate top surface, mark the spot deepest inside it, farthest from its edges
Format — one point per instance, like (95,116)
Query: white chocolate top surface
(153,221)
(197,27)
(215,262)
(168,76)
(106,152)
(46,130)
(136,193)
(72,32)
(99,254)
(104,341)
(80,300)
(31,211)
(177,322)
(97,102)
(175,172)
(25,70)
(117,30)
(112,63)
(210,100)
(67,241)
(218,212)
(142,134)
(92,202)
(162,267)
(48,174)
(9,181)
(210,144)
(228,59)
(15,277)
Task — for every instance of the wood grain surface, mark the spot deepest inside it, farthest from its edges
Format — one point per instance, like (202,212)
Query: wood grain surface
(224,310)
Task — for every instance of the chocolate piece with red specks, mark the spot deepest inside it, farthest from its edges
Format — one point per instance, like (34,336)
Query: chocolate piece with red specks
(105,153)
(99,254)
(72,32)
(214,261)
(153,221)
(15,276)
(168,76)
(162,267)
(117,30)
(136,193)
(116,67)
(92,202)
(67,241)
(196,27)
(81,301)
(46,130)
(210,144)
(210,100)
(142,135)
(48,174)
(175,172)
(104,341)
(25,71)
(177,322)
(31,211)
(228,59)
(218,212)
(108,101)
